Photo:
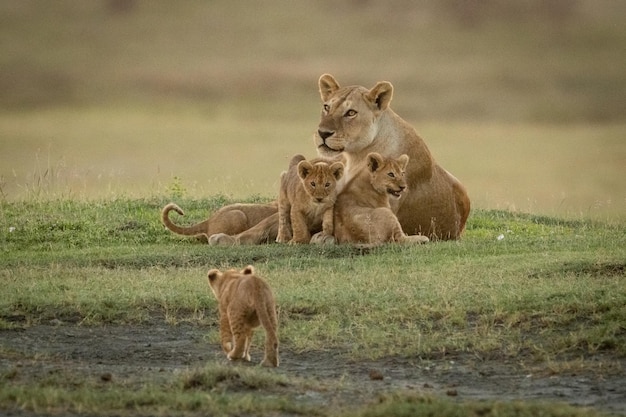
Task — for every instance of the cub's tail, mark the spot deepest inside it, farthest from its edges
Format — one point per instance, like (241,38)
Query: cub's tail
(198,229)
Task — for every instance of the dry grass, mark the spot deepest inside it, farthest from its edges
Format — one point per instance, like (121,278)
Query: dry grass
(565,170)
(522,101)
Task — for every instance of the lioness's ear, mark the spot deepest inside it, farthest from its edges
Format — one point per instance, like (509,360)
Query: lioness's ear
(248,270)
(337,170)
(381,95)
(374,161)
(213,274)
(304,167)
(403,160)
(328,85)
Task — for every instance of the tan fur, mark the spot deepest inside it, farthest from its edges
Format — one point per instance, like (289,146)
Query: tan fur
(363,213)
(306,200)
(245,302)
(356,121)
(231,219)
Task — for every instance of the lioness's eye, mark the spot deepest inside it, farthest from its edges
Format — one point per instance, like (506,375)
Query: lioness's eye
(351,113)
(391,175)
(326,108)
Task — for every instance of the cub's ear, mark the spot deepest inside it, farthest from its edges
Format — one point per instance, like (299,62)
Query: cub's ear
(403,160)
(248,270)
(213,275)
(337,170)
(304,167)
(374,161)
(328,85)
(380,95)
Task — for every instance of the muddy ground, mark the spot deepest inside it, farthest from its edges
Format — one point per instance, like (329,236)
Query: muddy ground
(156,351)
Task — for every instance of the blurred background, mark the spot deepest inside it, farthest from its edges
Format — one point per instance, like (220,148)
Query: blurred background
(524,101)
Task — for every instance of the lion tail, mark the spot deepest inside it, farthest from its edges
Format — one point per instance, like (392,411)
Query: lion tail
(198,229)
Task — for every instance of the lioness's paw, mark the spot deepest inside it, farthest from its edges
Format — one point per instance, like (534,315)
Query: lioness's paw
(322,239)
(222,239)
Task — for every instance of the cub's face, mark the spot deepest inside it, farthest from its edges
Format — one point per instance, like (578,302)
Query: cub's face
(349,116)
(320,179)
(387,174)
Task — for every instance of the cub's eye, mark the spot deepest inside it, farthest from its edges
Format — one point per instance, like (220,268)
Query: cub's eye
(326,108)
(391,174)
(350,113)
(313,184)
(327,185)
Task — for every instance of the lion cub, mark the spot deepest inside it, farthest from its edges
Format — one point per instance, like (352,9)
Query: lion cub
(245,302)
(363,213)
(306,200)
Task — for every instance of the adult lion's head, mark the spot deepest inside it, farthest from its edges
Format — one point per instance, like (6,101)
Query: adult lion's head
(349,115)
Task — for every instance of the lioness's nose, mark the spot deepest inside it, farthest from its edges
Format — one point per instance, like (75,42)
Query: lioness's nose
(325,134)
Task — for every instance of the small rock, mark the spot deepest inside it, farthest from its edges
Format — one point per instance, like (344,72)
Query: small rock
(376,375)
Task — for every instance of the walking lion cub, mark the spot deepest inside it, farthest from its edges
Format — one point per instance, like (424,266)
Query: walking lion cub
(245,302)
(308,190)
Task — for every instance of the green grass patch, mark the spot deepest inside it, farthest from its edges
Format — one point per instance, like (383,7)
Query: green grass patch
(224,390)
(212,390)
(514,283)
(518,287)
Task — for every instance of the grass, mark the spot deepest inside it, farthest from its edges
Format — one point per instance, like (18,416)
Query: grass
(203,390)
(538,290)
(99,103)
(205,104)
(470,296)
(579,167)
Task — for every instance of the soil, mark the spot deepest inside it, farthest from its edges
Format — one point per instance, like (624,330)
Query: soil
(156,351)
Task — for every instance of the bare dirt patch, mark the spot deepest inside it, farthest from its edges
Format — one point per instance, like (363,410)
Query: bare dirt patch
(138,354)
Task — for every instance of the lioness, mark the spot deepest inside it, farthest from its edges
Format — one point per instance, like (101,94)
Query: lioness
(245,302)
(231,219)
(356,121)
(307,198)
(363,213)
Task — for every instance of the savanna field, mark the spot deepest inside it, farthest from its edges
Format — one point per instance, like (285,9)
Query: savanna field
(111,109)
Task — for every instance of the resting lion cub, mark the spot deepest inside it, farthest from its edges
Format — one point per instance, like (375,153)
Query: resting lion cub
(231,219)
(363,212)
(245,302)
(307,198)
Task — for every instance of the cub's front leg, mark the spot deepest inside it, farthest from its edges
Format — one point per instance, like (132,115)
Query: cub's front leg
(328,222)
(284,222)
(300,227)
